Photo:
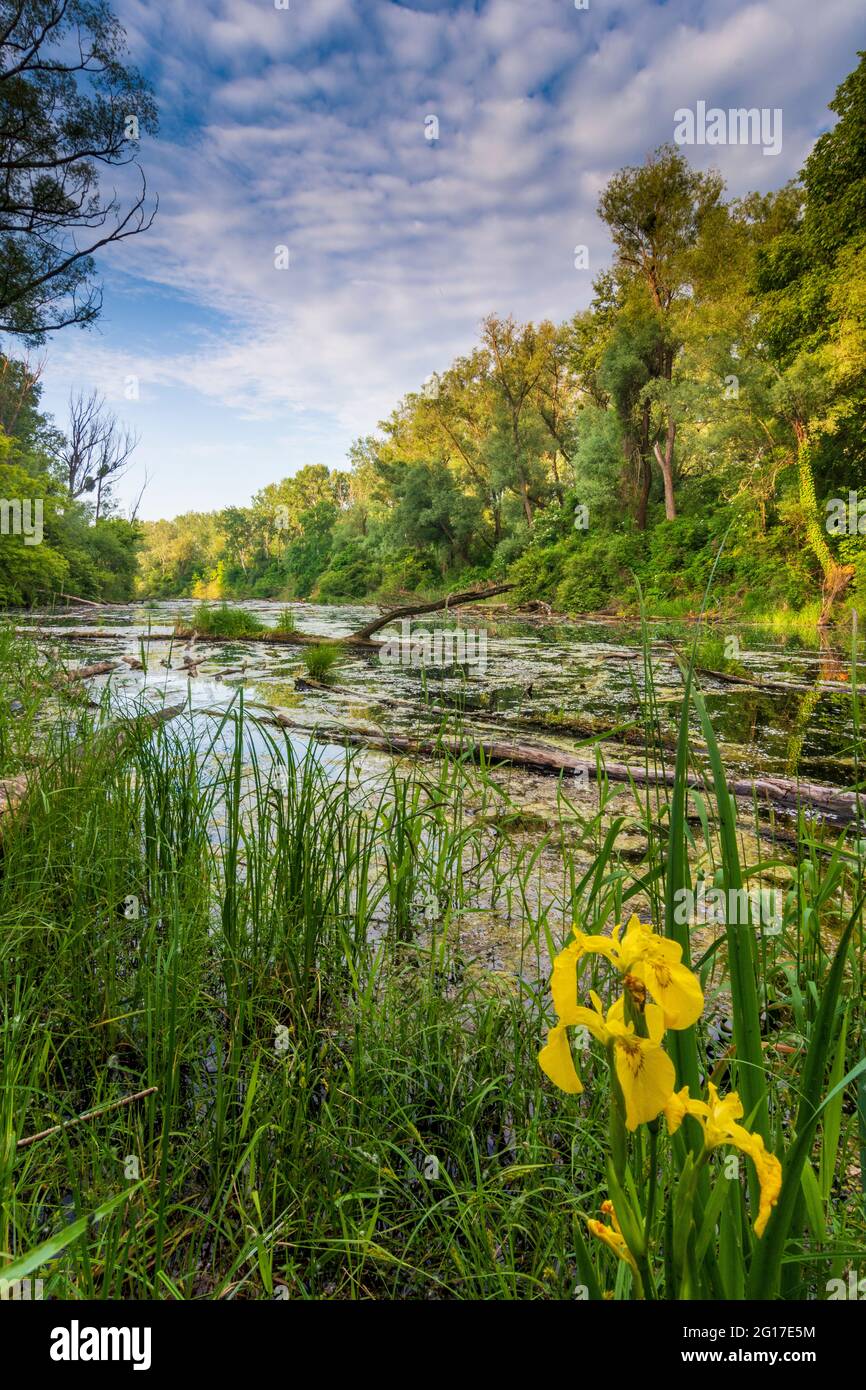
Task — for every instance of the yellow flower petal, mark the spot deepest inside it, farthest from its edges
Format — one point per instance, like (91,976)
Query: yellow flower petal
(563,982)
(719,1119)
(556,1061)
(681,1104)
(657,962)
(646,1075)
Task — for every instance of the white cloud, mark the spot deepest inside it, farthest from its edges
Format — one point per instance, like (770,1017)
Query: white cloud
(306,127)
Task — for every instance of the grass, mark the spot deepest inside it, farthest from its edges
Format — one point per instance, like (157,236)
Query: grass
(346,1105)
(320,660)
(286,621)
(715,653)
(225,622)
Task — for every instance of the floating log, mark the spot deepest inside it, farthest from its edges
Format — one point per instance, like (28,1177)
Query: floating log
(14,789)
(85,673)
(778,791)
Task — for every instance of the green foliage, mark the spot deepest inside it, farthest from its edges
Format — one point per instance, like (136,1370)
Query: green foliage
(408,571)
(320,660)
(353,572)
(65,97)
(32,565)
(224,621)
(286,621)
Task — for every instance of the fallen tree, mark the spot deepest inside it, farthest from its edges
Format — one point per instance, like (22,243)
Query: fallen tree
(360,638)
(777,791)
(413,610)
(13,790)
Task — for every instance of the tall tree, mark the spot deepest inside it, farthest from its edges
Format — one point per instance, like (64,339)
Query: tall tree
(518,358)
(811,301)
(69,105)
(654,213)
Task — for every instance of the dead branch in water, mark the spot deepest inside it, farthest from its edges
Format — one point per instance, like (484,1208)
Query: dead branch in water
(412,610)
(88,1115)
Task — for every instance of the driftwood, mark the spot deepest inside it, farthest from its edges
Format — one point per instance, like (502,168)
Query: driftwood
(411,610)
(755,682)
(84,673)
(14,789)
(88,602)
(777,791)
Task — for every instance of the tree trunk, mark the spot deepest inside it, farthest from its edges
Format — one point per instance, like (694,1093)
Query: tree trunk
(645,468)
(527,505)
(666,464)
(643,496)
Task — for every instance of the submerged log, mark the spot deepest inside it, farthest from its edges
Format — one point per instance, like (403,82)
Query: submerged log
(776,791)
(13,790)
(580,726)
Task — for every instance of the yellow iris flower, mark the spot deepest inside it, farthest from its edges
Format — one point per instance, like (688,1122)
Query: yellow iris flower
(719,1120)
(612,1236)
(654,961)
(645,1072)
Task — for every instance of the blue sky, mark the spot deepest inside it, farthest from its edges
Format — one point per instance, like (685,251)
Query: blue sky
(304,127)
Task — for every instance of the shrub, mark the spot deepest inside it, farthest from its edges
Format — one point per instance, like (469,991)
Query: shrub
(286,621)
(320,660)
(225,622)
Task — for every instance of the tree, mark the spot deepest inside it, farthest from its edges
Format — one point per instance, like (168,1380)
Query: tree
(519,357)
(68,105)
(96,450)
(809,283)
(655,213)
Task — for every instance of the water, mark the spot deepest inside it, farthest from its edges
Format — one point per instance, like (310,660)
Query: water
(537,677)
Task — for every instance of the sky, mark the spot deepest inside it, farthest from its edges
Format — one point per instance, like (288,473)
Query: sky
(299,131)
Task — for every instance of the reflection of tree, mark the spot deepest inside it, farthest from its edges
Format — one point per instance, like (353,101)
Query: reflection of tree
(830,668)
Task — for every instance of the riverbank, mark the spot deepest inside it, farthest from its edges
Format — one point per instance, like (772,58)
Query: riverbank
(318,985)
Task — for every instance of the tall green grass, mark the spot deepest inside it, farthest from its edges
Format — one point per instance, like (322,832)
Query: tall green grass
(291,950)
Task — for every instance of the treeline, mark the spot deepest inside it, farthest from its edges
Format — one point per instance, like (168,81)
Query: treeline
(59,527)
(714,391)
(67,91)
